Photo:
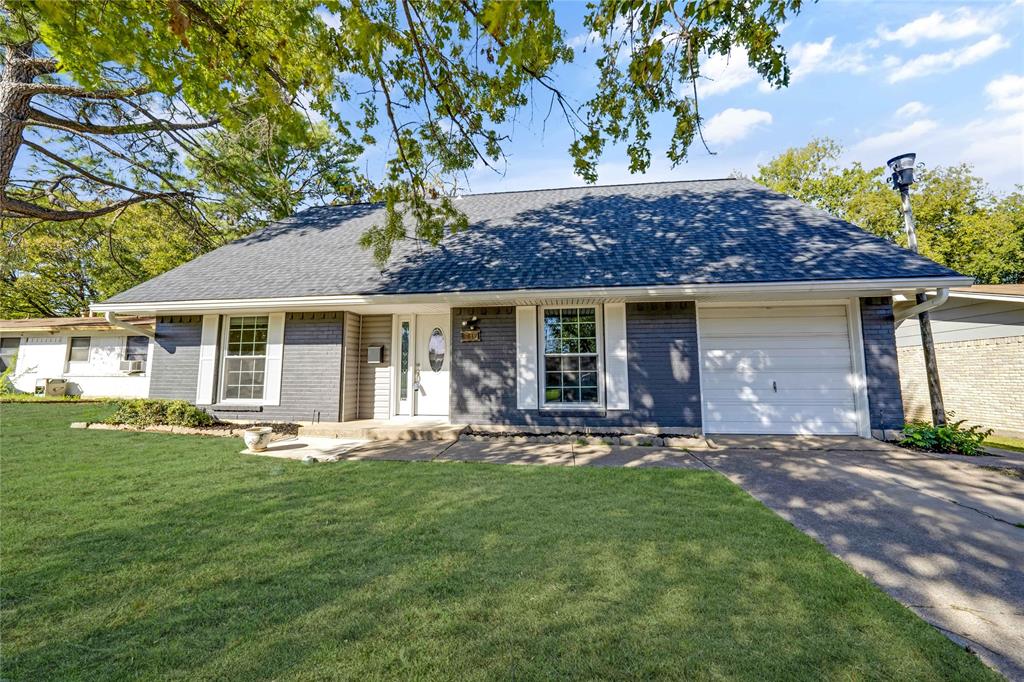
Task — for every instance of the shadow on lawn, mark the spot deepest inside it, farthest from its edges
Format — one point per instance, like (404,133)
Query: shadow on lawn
(397,570)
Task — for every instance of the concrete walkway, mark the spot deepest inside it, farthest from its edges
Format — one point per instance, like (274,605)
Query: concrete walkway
(938,533)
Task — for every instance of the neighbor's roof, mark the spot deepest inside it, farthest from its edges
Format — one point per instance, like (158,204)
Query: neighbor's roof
(1010,291)
(56,325)
(669,233)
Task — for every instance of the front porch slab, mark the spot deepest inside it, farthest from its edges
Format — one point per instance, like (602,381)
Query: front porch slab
(398,429)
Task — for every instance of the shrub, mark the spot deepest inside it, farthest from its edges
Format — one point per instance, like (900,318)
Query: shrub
(145,412)
(953,437)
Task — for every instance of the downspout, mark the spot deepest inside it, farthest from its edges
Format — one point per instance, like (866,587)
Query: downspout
(111,318)
(940,297)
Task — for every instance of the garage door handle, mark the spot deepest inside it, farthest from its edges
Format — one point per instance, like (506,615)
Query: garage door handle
(774,387)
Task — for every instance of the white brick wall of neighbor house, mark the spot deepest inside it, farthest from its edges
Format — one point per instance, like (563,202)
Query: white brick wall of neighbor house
(982,382)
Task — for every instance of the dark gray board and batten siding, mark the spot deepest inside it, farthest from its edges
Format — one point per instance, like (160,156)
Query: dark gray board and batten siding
(664,385)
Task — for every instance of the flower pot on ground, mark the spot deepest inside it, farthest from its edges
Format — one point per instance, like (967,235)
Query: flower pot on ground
(257,438)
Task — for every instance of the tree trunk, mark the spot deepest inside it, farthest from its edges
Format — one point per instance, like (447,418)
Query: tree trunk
(20,68)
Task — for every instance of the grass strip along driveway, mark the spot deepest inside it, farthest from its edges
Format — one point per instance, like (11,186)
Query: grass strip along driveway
(137,555)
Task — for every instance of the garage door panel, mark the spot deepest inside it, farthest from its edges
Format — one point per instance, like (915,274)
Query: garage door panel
(789,342)
(779,419)
(775,311)
(776,358)
(796,396)
(777,369)
(792,380)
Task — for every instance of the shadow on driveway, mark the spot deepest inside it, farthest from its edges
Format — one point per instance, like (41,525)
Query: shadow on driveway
(941,535)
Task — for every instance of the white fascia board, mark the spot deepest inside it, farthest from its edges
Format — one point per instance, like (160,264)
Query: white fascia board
(881,286)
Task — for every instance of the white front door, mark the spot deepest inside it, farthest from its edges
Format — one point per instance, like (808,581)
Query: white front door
(432,359)
(777,370)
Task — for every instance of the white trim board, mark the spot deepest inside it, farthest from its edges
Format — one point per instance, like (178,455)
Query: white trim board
(845,287)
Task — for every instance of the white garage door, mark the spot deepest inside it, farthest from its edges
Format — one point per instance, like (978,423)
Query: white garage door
(777,370)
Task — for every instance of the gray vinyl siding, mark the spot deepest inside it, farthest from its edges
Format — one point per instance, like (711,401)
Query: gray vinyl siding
(967,319)
(175,365)
(885,399)
(664,386)
(350,374)
(310,375)
(375,380)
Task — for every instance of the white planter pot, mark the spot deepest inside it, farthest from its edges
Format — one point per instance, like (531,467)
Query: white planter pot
(258,438)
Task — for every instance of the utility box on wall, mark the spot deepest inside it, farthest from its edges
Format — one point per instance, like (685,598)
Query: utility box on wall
(374,355)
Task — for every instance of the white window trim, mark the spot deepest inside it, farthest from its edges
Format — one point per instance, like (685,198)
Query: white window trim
(599,406)
(222,357)
(68,362)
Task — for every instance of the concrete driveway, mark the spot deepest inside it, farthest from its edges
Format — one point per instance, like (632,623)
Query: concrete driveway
(940,534)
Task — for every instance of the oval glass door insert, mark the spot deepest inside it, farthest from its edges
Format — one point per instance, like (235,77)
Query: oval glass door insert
(436,348)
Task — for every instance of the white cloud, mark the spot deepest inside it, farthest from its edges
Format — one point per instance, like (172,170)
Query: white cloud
(808,58)
(912,109)
(1006,93)
(733,125)
(725,72)
(937,26)
(888,144)
(927,64)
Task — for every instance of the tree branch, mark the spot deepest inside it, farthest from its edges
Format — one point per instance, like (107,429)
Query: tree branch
(16,208)
(42,118)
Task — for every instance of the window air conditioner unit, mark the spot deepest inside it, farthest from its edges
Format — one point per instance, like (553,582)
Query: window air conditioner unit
(133,366)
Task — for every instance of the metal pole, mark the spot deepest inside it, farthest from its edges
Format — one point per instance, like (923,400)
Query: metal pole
(927,342)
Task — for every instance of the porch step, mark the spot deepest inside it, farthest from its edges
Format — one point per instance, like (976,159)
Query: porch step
(374,429)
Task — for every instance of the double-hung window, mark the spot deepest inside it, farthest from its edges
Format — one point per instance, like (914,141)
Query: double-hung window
(571,357)
(243,374)
(137,348)
(79,350)
(8,352)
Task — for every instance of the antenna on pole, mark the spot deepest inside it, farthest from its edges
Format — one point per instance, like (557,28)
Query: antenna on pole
(902,178)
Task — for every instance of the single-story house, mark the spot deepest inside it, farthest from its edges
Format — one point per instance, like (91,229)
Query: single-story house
(979,350)
(715,306)
(90,355)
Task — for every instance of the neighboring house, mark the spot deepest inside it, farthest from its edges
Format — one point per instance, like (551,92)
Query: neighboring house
(979,348)
(93,356)
(714,306)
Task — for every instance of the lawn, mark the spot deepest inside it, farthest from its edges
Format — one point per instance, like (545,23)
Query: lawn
(1006,443)
(142,556)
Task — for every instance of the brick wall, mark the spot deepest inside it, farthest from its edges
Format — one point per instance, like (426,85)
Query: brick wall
(982,382)
(663,371)
(311,367)
(885,402)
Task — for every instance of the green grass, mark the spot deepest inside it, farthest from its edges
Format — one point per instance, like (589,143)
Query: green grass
(1006,443)
(143,556)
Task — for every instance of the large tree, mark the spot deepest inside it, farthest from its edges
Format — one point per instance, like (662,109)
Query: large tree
(961,222)
(430,84)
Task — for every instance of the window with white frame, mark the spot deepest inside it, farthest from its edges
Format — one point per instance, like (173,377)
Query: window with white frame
(243,372)
(571,352)
(136,348)
(79,349)
(8,352)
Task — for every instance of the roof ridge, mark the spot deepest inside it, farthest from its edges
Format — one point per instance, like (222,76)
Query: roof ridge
(614,184)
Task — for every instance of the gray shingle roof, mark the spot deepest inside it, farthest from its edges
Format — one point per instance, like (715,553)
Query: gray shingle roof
(713,231)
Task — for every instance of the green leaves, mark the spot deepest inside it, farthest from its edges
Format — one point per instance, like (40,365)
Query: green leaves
(961,223)
(430,86)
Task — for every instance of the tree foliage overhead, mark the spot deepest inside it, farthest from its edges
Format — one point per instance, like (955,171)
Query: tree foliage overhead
(960,222)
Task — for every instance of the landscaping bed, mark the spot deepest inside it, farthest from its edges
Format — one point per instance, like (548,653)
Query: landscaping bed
(143,556)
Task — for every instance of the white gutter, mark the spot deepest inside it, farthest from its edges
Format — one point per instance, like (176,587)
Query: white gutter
(940,297)
(111,317)
(670,292)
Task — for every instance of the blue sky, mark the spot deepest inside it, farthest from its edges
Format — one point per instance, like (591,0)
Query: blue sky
(945,80)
